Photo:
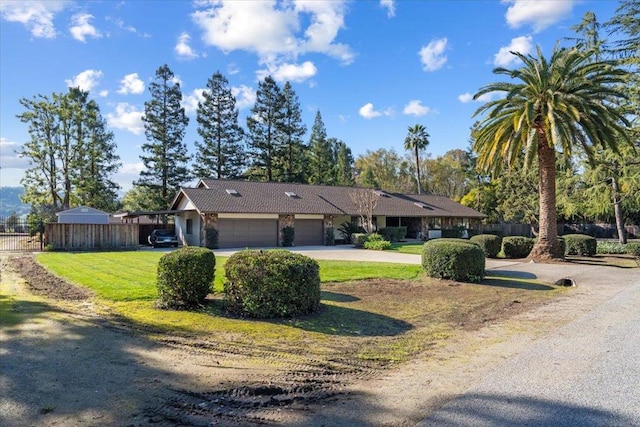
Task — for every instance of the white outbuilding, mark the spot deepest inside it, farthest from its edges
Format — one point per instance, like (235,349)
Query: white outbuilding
(83,215)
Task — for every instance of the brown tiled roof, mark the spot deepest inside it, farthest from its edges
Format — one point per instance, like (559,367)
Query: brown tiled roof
(271,198)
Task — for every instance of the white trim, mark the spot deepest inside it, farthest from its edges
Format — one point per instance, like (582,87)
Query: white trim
(308,216)
(247,216)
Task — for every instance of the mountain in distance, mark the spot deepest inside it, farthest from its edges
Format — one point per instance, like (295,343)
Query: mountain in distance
(10,201)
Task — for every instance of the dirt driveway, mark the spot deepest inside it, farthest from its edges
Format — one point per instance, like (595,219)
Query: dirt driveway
(62,364)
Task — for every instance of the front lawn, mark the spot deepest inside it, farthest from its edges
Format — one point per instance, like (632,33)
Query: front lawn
(373,312)
(407,248)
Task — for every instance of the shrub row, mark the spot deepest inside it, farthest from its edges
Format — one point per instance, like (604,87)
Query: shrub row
(579,244)
(489,243)
(376,242)
(454,259)
(517,246)
(393,234)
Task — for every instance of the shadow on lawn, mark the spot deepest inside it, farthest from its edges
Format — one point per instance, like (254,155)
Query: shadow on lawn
(514,279)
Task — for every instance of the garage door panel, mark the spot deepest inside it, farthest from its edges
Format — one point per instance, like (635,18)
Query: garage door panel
(240,233)
(308,232)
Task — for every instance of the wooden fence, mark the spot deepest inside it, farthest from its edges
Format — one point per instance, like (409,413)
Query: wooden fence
(87,237)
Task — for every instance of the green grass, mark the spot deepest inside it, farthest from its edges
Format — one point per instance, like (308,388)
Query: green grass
(131,276)
(407,248)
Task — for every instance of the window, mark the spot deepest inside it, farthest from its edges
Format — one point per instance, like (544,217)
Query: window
(189,226)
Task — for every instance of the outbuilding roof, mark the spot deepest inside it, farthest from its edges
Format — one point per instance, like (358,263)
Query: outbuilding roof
(231,196)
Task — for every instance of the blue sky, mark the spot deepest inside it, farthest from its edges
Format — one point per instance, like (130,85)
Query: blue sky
(372,68)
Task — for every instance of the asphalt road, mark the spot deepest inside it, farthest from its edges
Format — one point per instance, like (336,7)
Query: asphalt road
(586,373)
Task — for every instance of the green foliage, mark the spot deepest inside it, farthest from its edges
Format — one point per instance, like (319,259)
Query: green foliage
(517,246)
(490,244)
(330,237)
(359,239)
(347,229)
(211,238)
(633,248)
(291,165)
(164,155)
(452,233)
(612,248)
(393,234)
(320,158)
(417,140)
(376,242)
(344,163)
(454,259)
(185,277)
(271,284)
(288,236)
(580,244)
(220,154)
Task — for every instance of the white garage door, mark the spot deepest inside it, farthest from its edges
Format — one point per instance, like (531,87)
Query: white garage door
(308,232)
(247,233)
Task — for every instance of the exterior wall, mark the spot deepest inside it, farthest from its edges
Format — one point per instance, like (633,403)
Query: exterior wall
(337,222)
(185,239)
(284,221)
(247,216)
(381,221)
(207,220)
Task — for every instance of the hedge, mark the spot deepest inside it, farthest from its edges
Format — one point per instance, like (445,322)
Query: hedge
(185,277)
(633,248)
(517,246)
(267,284)
(489,243)
(580,244)
(454,259)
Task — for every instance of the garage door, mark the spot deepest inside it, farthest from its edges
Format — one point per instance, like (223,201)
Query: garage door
(247,233)
(308,232)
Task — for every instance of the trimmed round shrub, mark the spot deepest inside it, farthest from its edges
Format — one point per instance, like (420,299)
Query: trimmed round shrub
(580,244)
(454,259)
(517,246)
(489,243)
(185,277)
(633,248)
(268,284)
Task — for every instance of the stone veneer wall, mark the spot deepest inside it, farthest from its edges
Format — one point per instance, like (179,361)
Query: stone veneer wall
(424,229)
(207,220)
(284,221)
(328,223)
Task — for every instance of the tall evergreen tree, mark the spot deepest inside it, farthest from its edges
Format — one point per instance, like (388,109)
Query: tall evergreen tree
(291,165)
(320,155)
(220,153)
(264,126)
(165,155)
(343,162)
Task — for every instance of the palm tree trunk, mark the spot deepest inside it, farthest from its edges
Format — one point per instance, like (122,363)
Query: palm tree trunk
(418,169)
(617,209)
(547,246)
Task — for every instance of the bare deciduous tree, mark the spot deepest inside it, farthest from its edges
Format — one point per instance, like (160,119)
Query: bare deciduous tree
(365,201)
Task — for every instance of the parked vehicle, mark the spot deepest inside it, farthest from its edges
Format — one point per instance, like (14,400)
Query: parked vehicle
(162,237)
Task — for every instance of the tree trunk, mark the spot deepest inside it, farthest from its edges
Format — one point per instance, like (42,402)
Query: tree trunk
(617,208)
(418,169)
(547,247)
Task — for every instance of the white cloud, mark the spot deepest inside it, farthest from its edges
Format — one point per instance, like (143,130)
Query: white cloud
(120,24)
(190,101)
(9,158)
(131,83)
(86,80)
(245,96)
(289,72)
(467,97)
(432,55)
(504,57)
(183,49)
(128,173)
(37,16)
(103,93)
(415,108)
(232,69)
(126,117)
(390,6)
(540,14)
(274,30)
(368,112)
(81,27)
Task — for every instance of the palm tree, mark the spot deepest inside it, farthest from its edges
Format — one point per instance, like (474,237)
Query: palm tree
(559,104)
(417,139)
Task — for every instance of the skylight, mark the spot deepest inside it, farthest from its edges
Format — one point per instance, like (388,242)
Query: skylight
(291,194)
(232,192)
(420,205)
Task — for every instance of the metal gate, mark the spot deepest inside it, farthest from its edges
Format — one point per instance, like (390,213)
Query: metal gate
(18,234)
